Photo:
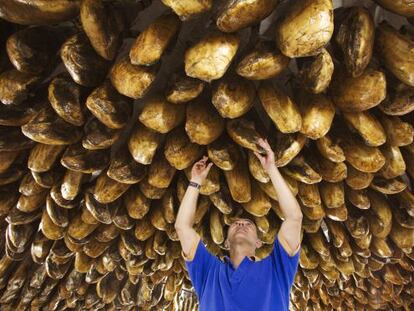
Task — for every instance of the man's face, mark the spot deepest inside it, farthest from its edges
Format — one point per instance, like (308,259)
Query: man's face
(242,229)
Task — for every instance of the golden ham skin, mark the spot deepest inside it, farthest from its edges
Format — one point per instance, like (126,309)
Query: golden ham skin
(107,104)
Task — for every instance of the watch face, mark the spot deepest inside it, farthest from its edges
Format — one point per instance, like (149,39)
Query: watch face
(192,183)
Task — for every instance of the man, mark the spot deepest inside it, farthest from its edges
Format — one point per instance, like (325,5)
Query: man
(241,282)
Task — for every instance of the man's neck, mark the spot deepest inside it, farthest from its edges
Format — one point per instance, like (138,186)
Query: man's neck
(238,252)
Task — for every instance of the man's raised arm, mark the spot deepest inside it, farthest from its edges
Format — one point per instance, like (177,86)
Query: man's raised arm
(290,229)
(185,218)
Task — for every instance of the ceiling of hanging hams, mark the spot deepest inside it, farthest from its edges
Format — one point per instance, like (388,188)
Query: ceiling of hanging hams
(106,104)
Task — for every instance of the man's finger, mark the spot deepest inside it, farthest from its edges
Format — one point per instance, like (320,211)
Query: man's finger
(260,157)
(263,144)
(267,144)
(259,141)
(266,147)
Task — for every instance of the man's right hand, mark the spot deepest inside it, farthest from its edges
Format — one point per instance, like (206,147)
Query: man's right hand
(200,170)
(267,160)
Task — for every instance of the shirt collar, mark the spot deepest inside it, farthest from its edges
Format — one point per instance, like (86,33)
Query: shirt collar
(252,258)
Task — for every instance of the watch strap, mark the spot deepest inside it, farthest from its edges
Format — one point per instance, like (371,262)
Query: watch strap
(194,184)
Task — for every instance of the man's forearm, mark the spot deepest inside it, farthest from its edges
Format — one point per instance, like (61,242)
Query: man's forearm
(187,209)
(287,201)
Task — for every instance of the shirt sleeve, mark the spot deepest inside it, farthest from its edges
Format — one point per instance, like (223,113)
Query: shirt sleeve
(199,262)
(286,261)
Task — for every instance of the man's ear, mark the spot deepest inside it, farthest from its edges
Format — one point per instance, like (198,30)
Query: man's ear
(259,243)
(226,244)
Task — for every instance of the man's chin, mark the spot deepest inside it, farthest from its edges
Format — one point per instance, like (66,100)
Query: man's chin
(241,231)
(240,236)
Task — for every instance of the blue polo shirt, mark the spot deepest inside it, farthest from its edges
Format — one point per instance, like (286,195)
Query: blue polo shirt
(260,285)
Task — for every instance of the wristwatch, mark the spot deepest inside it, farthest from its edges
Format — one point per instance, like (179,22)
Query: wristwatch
(194,184)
